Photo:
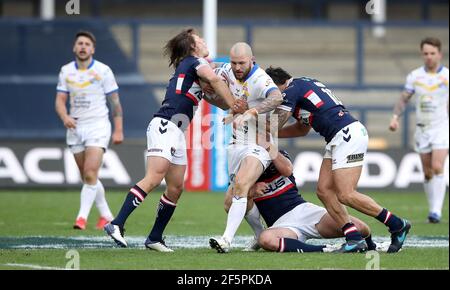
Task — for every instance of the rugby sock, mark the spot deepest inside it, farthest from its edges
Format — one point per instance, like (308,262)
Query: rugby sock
(351,233)
(134,197)
(293,245)
(439,188)
(253,219)
(371,246)
(428,187)
(100,202)
(391,221)
(235,216)
(88,193)
(163,214)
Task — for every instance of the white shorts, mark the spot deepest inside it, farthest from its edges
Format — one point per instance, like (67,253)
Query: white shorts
(165,139)
(302,220)
(348,147)
(89,134)
(237,152)
(429,139)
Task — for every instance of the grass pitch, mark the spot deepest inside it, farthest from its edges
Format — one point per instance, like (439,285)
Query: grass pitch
(36,233)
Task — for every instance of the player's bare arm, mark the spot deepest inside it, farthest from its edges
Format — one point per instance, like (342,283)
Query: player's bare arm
(283,164)
(116,108)
(208,75)
(282,117)
(399,109)
(298,129)
(273,100)
(61,110)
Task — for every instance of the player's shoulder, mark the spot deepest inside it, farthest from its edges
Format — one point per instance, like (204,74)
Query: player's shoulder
(259,76)
(419,71)
(68,67)
(444,71)
(100,66)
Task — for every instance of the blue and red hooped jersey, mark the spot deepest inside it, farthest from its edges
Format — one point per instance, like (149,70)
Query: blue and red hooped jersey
(183,93)
(328,114)
(281,196)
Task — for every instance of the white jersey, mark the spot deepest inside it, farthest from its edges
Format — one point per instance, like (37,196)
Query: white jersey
(254,89)
(431,90)
(87,89)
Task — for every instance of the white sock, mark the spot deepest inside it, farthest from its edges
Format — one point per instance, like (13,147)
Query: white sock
(88,193)
(428,186)
(100,202)
(439,188)
(235,216)
(254,220)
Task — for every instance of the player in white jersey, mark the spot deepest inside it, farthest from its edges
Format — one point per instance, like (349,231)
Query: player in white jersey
(87,83)
(429,84)
(246,159)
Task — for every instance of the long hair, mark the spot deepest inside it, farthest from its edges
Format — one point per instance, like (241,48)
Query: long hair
(180,46)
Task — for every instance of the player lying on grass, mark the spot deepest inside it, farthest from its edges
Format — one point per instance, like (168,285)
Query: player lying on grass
(290,219)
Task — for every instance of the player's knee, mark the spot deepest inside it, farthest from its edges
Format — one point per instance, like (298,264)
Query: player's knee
(90,176)
(345,198)
(174,192)
(268,241)
(241,187)
(322,193)
(437,168)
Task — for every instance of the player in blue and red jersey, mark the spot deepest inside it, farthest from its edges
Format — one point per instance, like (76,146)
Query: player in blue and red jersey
(314,105)
(166,144)
(290,219)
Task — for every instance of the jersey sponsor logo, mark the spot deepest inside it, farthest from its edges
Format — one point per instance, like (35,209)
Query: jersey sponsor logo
(355,158)
(276,187)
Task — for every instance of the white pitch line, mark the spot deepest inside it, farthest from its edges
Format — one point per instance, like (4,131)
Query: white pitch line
(31,266)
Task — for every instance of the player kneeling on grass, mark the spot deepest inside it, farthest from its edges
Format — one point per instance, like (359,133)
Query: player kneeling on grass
(290,219)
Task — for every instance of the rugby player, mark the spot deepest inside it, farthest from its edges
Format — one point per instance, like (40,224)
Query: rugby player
(88,83)
(429,83)
(246,159)
(313,104)
(166,144)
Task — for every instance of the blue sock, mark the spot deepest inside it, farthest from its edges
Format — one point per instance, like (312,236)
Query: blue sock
(134,197)
(391,221)
(351,232)
(371,246)
(163,214)
(293,245)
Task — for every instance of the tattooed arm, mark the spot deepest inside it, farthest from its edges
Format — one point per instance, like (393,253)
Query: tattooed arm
(281,117)
(116,109)
(399,109)
(273,100)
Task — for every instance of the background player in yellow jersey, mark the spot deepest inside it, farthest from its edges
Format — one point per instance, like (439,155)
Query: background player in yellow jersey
(429,83)
(87,83)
